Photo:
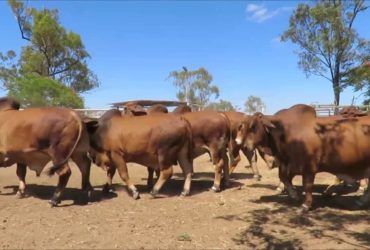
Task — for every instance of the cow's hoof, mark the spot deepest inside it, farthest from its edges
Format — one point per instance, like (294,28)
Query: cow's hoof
(20,195)
(280,191)
(154,193)
(257,177)
(89,193)
(216,189)
(136,195)
(226,184)
(327,194)
(53,203)
(185,192)
(304,209)
(108,189)
(294,196)
(359,204)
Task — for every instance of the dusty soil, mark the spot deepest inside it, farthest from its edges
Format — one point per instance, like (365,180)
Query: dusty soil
(247,215)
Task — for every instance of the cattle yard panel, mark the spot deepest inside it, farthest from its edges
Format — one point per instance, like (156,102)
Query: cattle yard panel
(93,113)
(323,110)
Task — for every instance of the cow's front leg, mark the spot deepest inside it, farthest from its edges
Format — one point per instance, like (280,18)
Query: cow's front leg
(234,157)
(286,179)
(363,186)
(64,174)
(308,180)
(108,185)
(331,188)
(121,166)
(252,158)
(21,173)
(225,169)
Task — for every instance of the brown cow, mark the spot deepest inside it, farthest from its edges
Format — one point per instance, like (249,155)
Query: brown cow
(133,109)
(157,108)
(181,109)
(347,112)
(136,110)
(156,141)
(305,145)
(35,136)
(236,118)
(211,133)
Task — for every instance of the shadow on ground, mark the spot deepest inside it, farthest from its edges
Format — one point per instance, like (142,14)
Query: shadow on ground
(45,192)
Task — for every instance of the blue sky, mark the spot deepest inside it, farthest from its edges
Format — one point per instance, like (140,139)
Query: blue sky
(135,44)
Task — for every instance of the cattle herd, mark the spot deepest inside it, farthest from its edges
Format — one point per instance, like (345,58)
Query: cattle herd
(295,140)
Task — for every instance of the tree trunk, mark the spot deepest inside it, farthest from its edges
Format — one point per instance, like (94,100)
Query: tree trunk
(336,89)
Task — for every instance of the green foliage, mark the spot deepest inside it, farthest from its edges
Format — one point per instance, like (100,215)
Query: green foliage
(52,51)
(39,91)
(8,68)
(254,104)
(194,86)
(329,45)
(222,105)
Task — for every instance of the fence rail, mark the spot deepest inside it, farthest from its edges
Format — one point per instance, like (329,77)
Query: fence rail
(93,113)
(329,109)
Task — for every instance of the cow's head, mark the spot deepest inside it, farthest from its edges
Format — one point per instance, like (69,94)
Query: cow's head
(157,108)
(8,103)
(181,109)
(253,131)
(133,109)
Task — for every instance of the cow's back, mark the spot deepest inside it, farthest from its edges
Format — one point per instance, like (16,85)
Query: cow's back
(33,127)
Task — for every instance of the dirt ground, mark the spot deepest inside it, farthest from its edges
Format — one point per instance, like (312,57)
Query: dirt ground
(247,215)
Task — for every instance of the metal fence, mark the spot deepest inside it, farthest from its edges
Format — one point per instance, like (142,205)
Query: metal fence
(329,109)
(93,113)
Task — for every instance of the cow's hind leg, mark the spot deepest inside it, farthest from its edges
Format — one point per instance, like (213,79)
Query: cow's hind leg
(111,171)
(64,175)
(365,198)
(225,168)
(165,173)
(121,166)
(218,163)
(21,173)
(83,162)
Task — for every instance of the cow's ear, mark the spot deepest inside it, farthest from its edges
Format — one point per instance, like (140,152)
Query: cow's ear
(91,126)
(267,123)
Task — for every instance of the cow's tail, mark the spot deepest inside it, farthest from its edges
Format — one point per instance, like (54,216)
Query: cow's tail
(230,144)
(59,165)
(190,137)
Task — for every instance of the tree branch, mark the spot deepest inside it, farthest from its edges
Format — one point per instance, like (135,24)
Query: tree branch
(65,69)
